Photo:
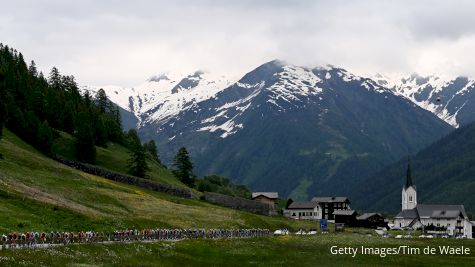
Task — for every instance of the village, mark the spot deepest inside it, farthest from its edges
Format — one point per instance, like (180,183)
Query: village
(429,220)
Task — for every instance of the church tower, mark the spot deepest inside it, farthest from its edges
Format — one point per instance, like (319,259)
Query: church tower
(409,194)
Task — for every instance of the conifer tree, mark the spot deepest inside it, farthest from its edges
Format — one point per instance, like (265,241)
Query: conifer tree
(100,129)
(102,100)
(44,138)
(183,168)
(137,162)
(55,79)
(151,148)
(32,69)
(87,99)
(84,145)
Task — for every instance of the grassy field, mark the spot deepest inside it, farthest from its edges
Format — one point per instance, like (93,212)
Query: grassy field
(274,251)
(37,193)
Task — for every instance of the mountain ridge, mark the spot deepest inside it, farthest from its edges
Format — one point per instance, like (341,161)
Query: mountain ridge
(337,127)
(443,173)
(451,99)
(275,131)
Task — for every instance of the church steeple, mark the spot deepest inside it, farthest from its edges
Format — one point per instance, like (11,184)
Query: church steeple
(409,194)
(408,174)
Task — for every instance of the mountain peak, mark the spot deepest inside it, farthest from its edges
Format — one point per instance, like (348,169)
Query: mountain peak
(277,62)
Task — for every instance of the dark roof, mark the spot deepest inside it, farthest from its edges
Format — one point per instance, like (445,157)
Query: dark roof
(408,214)
(408,175)
(271,195)
(365,216)
(440,211)
(302,205)
(330,199)
(446,214)
(433,211)
(344,212)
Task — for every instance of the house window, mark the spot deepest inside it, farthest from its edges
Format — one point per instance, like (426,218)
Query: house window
(410,198)
(293,214)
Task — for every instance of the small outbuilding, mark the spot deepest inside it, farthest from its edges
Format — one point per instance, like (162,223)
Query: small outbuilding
(371,220)
(348,217)
(266,197)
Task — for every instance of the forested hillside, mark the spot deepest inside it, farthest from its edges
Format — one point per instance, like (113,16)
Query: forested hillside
(36,107)
(443,174)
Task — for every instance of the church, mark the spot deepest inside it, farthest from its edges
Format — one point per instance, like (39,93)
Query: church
(449,219)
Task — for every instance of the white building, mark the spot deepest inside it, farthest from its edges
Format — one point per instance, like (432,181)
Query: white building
(450,219)
(318,208)
(307,210)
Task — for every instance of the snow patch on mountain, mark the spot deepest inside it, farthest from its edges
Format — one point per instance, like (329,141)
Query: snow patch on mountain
(470,85)
(228,128)
(434,93)
(294,84)
(165,95)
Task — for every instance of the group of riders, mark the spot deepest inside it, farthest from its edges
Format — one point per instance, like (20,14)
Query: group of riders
(30,239)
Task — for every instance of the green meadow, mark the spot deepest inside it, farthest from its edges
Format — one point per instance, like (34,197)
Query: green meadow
(273,251)
(39,194)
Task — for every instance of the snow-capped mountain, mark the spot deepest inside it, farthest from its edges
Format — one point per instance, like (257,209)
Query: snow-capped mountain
(164,96)
(293,129)
(451,99)
(290,88)
(296,130)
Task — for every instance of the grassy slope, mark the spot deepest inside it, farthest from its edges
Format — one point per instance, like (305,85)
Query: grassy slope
(37,193)
(114,158)
(279,251)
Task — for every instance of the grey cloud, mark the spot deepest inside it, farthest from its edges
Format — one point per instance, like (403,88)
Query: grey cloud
(125,42)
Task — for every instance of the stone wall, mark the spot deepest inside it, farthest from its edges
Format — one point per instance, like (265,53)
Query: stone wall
(239,203)
(127,179)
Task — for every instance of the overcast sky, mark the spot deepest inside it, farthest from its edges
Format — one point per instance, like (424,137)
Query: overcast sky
(124,42)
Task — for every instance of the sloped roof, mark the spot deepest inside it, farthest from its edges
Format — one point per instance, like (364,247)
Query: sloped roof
(302,205)
(408,214)
(409,182)
(440,211)
(271,195)
(344,212)
(365,216)
(330,199)
(433,211)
